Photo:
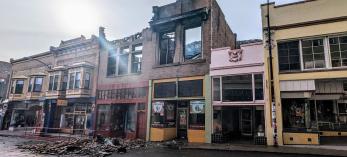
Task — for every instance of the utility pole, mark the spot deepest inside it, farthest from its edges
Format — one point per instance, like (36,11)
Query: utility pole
(272,90)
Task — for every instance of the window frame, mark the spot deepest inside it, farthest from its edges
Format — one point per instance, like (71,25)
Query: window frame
(184,41)
(340,52)
(16,85)
(238,102)
(167,48)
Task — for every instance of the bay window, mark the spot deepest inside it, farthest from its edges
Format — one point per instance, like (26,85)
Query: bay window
(35,84)
(78,80)
(18,88)
(38,84)
(53,82)
(193,43)
(71,80)
(86,80)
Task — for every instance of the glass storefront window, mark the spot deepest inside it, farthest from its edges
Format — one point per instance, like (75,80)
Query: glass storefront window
(131,119)
(197,115)
(163,114)
(104,115)
(299,115)
(165,90)
(192,88)
(259,87)
(237,88)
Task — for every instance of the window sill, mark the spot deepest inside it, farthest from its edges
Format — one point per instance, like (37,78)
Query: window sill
(181,63)
(131,74)
(314,70)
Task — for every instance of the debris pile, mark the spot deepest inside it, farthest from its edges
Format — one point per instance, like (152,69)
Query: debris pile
(98,148)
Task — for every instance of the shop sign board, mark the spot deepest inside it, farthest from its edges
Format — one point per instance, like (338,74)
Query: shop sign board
(197,107)
(62,102)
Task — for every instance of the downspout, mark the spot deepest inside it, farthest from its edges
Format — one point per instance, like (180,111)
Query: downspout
(272,90)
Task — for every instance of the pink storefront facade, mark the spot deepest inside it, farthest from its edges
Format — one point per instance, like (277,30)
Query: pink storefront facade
(238,94)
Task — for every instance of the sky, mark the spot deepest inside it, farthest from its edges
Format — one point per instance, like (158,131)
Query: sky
(30,27)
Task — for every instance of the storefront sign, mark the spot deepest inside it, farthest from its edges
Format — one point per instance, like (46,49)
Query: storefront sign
(158,107)
(197,107)
(62,102)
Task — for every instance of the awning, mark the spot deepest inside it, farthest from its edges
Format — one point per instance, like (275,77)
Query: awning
(289,95)
(327,97)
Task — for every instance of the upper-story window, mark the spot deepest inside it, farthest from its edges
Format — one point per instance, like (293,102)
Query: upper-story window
(338,51)
(289,56)
(193,44)
(123,63)
(167,48)
(238,88)
(86,80)
(53,82)
(75,80)
(17,87)
(111,63)
(118,63)
(313,53)
(345,85)
(35,84)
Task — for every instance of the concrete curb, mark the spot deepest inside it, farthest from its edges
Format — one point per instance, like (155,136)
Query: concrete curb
(264,149)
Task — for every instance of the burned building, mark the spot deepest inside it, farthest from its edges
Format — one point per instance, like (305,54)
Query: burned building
(123,87)
(183,34)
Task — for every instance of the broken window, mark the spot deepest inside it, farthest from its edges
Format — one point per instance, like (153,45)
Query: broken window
(136,62)
(111,63)
(123,64)
(131,119)
(193,44)
(338,51)
(313,53)
(138,47)
(165,90)
(167,48)
(104,117)
(237,88)
(191,88)
(19,87)
(289,56)
(124,50)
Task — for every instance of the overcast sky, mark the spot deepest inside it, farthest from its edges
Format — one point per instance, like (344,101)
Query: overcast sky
(31,26)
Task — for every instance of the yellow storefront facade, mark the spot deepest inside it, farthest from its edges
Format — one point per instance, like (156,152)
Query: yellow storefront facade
(309,64)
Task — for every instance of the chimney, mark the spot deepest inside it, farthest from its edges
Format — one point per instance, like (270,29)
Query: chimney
(102,33)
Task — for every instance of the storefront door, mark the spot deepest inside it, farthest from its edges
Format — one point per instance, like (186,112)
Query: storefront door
(182,123)
(246,122)
(80,121)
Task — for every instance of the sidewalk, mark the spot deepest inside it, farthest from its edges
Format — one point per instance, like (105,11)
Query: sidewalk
(302,150)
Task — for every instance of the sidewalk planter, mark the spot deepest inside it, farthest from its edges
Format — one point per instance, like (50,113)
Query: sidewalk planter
(196,136)
(301,138)
(162,134)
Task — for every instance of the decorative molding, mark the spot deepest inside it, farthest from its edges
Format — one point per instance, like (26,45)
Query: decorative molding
(235,55)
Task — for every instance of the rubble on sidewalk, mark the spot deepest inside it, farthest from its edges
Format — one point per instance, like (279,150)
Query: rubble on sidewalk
(99,147)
